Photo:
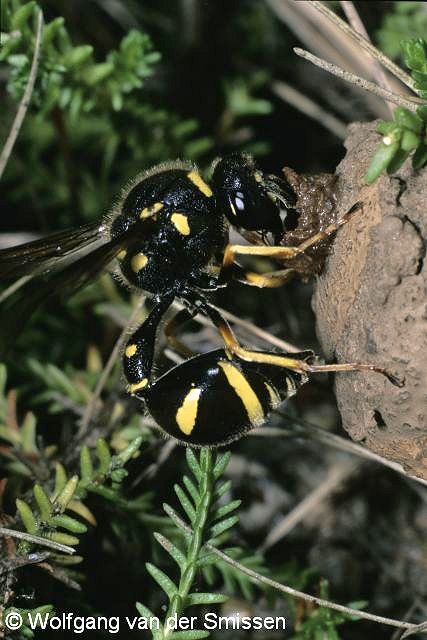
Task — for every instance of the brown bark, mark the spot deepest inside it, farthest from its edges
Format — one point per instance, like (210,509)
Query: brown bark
(371,305)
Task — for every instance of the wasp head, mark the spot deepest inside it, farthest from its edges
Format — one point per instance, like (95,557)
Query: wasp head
(249,198)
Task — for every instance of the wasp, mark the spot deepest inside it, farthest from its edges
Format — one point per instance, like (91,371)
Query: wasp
(169,236)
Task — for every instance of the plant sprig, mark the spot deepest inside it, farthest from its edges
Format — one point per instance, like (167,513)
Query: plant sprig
(406,20)
(48,516)
(69,77)
(81,103)
(210,521)
(406,134)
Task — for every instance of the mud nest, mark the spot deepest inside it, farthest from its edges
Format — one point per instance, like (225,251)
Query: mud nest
(371,306)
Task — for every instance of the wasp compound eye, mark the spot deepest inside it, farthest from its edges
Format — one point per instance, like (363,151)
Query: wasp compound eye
(243,197)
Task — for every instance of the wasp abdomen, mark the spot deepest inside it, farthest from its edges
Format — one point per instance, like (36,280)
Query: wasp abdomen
(212,399)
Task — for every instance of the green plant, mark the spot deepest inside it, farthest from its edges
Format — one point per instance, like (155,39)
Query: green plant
(209,522)
(401,137)
(47,516)
(322,623)
(25,631)
(407,20)
(407,133)
(415,57)
(69,77)
(80,103)
(44,511)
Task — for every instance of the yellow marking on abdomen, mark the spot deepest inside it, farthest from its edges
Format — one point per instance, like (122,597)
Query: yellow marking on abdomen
(151,210)
(122,255)
(274,396)
(130,350)
(138,385)
(138,262)
(245,392)
(180,222)
(197,179)
(187,413)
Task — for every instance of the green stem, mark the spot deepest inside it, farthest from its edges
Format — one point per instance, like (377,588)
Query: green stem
(188,572)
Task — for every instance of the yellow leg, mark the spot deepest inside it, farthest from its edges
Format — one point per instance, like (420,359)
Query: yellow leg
(284,253)
(281,253)
(269,280)
(285,361)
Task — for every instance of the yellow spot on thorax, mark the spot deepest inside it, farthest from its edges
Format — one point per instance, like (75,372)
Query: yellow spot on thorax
(151,210)
(274,396)
(138,262)
(130,350)
(180,222)
(197,179)
(122,255)
(187,413)
(138,385)
(243,389)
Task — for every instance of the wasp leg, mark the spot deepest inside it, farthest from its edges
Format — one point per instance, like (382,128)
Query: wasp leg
(139,352)
(269,280)
(301,366)
(279,253)
(176,322)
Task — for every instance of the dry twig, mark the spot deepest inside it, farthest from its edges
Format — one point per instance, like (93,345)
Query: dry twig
(25,101)
(365,44)
(294,592)
(358,26)
(15,286)
(248,326)
(310,108)
(408,102)
(29,537)
(397,634)
(336,477)
(326,40)
(311,432)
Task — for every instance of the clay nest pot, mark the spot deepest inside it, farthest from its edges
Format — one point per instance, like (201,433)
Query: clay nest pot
(371,306)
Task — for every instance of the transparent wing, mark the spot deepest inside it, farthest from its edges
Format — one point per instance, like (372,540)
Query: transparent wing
(71,277)
(48,253)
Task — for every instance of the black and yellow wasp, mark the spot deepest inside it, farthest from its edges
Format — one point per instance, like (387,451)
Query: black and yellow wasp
(169,236)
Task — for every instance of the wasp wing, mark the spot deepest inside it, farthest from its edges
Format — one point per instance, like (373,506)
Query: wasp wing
(71,277)
(48,253)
